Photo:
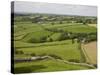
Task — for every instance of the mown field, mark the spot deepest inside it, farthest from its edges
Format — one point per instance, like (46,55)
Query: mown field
(35,39)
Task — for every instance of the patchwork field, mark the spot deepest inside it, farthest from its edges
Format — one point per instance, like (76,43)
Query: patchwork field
(59,40)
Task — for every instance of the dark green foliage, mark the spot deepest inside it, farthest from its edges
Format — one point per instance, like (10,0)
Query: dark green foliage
(73,41)
(28,69)
(74,60)
(73,35)
(43,39)
(37,19)
(33,54)
(50,39)
(19,52)
(52,23)
(91,37)
(63,36)
(43,54)
(33,40)
(60,22)
(95,65)
(55,56)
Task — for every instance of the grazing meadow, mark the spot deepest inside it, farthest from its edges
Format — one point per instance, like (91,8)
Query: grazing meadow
(42,42)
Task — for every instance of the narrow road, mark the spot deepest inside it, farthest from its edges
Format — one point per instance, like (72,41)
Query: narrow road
(50,57)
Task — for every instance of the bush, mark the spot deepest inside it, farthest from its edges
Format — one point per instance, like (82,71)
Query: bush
(55,56)
(73,41)
(42,54)
(19,52)
(43,39)
(74,60)
(52,23)
(60,22)
(50,39)
(63,36)
(95,65)
(32,40)
(33,54)
(91,37)
(40,40)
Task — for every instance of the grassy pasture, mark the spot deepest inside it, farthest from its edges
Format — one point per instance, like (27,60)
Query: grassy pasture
(73,27)
(79,28)
(36,31)
(45,66)
(65,51)
(26,31)
(37,35)
(23,28)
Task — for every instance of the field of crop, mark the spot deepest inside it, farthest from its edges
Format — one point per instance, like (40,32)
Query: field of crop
(91,50)
(59,40)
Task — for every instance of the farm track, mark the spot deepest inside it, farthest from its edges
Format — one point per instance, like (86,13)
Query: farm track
(86,55)
(90,52)
(83,58)
(59,60)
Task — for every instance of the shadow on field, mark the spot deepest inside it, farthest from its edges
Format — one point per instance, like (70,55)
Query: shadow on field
(28,69)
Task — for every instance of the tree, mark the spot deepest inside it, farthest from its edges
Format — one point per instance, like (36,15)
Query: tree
(60,22)
(19,52)
(32,40)
(33,54)
(52,23)
(50,39)
(73,41)
(43,39)
(37,19)
(63,36)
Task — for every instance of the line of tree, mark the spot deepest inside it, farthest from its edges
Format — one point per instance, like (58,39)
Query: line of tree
(52,18)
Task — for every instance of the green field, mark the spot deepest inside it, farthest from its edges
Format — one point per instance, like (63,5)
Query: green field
(45,66)
(41,39)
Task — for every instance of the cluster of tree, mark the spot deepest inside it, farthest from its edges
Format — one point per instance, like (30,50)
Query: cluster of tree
(18,52)
(40,18)
(54,30)
(60,19)
(63,36)
(91,37)
(74,60)
(81,37)
(40,40)
(87,21)
(33,54)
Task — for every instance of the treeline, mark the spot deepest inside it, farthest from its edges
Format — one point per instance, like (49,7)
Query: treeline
(80,37)
(64,35)
(55,18)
